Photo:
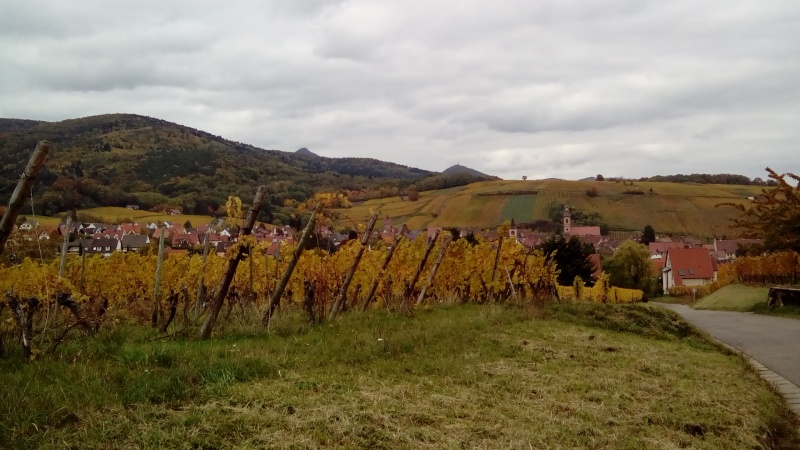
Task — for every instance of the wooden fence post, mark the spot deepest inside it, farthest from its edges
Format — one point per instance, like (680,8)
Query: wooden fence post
(421,266)
(63,263)
(340,299)
(230,268)
(377,279)
(287,274)
(83,268)
(157,286)
(22,190)
(494,268)
(201,286)
(434,269)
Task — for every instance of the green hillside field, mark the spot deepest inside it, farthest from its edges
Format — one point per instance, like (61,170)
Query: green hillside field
(671,208)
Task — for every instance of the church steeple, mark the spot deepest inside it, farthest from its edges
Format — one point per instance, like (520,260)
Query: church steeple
(567,220)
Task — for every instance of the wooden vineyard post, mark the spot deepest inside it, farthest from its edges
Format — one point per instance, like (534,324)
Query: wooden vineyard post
(201,286)
(377,279)
(434,269)
(421,267)
(250,257)
(63,263)
(230,267)
(157,287)
(494,268)
(83,269)
(511,283)
(23,316)
(287,274)
(22,190)
(340,299)
(277,262)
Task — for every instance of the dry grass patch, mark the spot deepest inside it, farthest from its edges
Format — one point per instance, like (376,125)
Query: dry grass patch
(457,377)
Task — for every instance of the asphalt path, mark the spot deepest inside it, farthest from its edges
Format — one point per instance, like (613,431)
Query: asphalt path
(772,341)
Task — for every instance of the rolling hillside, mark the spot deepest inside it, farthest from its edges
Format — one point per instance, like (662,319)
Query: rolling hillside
(681,209)
(119,159)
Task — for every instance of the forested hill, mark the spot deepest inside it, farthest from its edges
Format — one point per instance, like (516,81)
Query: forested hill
(706,178)
(120,159)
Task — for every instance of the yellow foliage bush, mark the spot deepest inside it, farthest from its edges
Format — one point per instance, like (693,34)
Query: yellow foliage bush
(599,293)
(777,267)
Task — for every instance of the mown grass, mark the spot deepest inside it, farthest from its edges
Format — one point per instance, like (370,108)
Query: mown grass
(111,214)
(741,297)
(569,376)
(734,297)
(789,311)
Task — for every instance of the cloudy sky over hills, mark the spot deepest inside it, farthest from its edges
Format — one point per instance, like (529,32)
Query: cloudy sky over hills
(546,88)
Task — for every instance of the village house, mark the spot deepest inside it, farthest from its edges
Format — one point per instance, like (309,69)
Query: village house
(725,249)
(223,247)
(659,250)
(688,267)
(62,229)
(570,230)
(134,242)
(104,247)
(28,225)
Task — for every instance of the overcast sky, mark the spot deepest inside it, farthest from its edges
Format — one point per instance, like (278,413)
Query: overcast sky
(542,88)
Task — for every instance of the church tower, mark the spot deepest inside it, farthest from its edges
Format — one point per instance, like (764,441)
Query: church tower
(567,220)
(512,232)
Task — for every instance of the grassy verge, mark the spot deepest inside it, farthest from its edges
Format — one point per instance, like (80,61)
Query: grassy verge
(734,297)
(673,300)
(791,312)
(572,376)
(740,297)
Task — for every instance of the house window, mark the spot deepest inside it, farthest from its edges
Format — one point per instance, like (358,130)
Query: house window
(691,271)
(682,272)
(108,248)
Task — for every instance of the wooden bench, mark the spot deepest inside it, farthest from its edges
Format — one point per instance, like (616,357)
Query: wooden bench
(783,296)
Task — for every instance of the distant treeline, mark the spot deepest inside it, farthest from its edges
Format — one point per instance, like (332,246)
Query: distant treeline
(703,178)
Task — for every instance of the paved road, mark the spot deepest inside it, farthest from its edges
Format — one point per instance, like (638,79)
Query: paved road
(773,341)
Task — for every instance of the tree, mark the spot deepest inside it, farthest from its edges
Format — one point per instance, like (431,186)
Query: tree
(648,235)
(773,216)
(572,258)
(631,268)
(592,192)
(412,195)
(600,177)
(187,225)
(524,177)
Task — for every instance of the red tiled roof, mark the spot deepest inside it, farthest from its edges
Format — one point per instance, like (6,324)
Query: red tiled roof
(594,261)
(661,248)
(584,231)
(731,245)
(273,248)
(690,263)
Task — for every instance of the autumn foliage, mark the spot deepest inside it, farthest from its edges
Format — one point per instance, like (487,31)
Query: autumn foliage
(774,215)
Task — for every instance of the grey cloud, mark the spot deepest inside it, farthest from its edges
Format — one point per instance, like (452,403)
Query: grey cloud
(545,88)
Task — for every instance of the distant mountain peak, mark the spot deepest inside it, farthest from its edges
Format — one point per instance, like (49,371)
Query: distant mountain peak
(305,152)
(458,168)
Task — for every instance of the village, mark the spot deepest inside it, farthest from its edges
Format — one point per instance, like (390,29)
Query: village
(676,261)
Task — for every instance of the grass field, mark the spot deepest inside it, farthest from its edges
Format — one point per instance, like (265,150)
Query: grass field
(113,215)
(734,297)
(740,297)
(675,208)
(568,376)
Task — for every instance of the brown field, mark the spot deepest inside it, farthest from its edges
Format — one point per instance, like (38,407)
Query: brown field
(671,208)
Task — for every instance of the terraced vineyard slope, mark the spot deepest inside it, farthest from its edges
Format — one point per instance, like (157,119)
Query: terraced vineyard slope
(675,208)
